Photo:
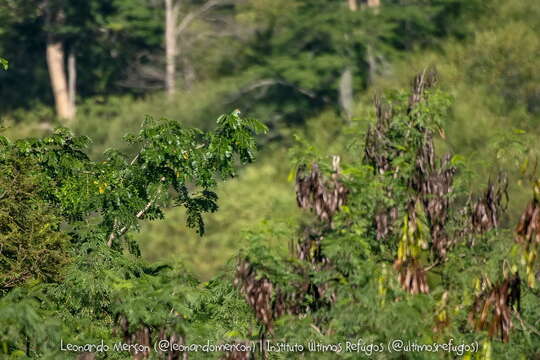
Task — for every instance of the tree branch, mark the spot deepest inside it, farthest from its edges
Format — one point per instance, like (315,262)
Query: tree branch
(188,19)
(114,235)
(270,82)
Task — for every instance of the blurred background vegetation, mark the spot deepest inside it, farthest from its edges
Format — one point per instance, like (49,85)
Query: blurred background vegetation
(307,68)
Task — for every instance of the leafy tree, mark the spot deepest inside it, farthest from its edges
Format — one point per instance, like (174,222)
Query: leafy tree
(396,235)
(98,36)
(86,275)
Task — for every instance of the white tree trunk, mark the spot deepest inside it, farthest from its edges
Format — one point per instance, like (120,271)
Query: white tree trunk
(353,5)
(59,84)
(171,51)
(72,80)
(346,96)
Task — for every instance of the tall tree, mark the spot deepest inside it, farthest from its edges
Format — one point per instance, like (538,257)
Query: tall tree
(64,93)
(346,91)
(171,52)
(49,40)
(175,25)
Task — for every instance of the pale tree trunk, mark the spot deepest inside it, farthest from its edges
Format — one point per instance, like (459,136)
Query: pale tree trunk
(59,84)
(56,58)
(171,51)
(346,96)
(72,80)
(353,5)
(173,29)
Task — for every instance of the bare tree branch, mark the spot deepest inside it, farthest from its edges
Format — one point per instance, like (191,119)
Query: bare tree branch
(188,19)
(117,234)
(271,82)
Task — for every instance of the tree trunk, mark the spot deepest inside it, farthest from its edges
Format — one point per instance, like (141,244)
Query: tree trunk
(353,5)
(346,99)
(56,65)
(171,52)
(57,73)
(72,80)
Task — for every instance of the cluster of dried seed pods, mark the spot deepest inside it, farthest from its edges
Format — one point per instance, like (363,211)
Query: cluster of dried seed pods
(240,355)
(143,337)
(493,307)
(483,213)
(528,235)
(309,247)
(258,292)
(383,221)
(412,275)
(316,193)
(324,197)
(425,80)
(487,210)
(433,183)
(377,150)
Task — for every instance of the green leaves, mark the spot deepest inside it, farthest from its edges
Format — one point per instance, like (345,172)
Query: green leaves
(50,188)
(4,63)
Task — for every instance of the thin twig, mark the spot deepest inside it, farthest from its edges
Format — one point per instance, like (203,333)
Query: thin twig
(114,235)
(186,21)
(263,83)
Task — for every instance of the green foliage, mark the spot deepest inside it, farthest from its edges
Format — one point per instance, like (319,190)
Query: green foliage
(302,47)
(33,246)
(259,192)
(50,188)
(356,277)
(489,75)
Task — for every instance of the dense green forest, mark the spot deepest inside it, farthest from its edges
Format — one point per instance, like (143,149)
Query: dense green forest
(269,179)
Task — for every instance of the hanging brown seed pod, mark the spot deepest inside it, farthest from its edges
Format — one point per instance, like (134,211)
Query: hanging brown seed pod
(412,276)
(528,235)
(143,337)
(320,195)
(377,151)
(493,307)
(257,292)
(308,248)
(433,182)
(487,210)
(427,79)
(240,355)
